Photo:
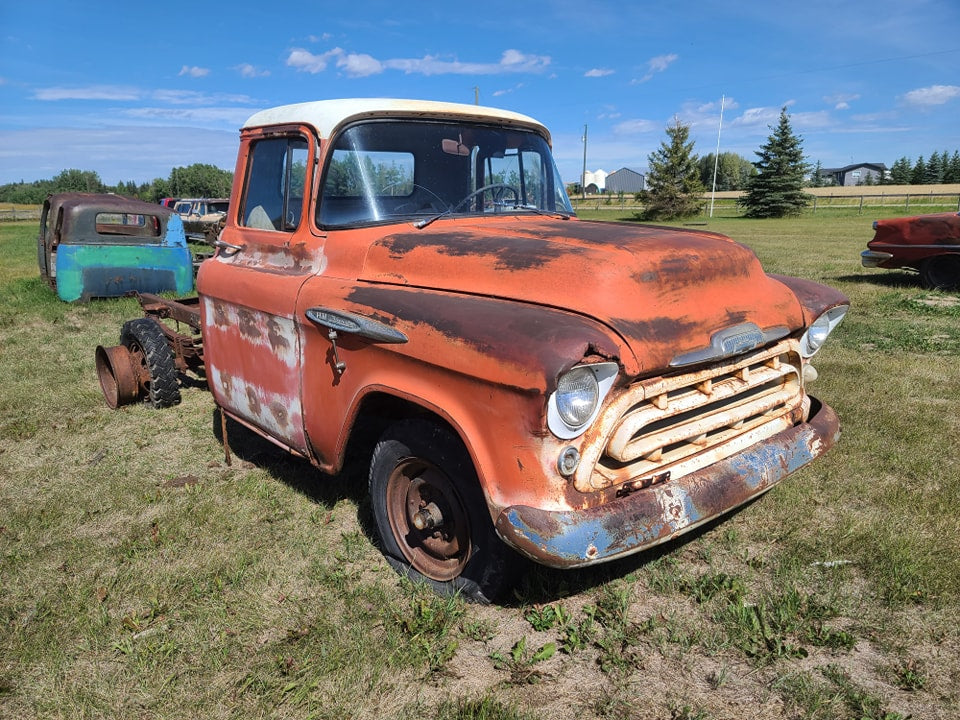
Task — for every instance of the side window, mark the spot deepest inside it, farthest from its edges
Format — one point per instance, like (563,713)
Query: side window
(275,179)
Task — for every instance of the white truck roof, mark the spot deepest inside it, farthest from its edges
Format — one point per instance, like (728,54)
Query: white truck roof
(326,115)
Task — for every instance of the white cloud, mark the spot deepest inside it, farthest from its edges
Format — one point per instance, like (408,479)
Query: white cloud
(635,127)
(657,65)
(933,95)
(91,92)
(306,61)
(840,101)
(359,65)
(195,72)
(753,117)
(598,72)
(201,116)
(249,71)
(363,65)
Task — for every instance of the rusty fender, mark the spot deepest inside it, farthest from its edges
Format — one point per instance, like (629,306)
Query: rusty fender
(648,517)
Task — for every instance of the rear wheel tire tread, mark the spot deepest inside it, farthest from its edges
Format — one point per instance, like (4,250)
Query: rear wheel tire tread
(146,341)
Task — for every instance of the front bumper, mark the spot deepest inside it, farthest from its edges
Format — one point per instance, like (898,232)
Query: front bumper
(874,258)
(648,517)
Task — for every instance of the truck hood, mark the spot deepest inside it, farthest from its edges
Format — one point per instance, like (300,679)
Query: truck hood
(664,291)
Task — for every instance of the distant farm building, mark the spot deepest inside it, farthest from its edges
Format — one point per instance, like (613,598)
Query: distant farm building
(594,182)
(852,175)
(626,180)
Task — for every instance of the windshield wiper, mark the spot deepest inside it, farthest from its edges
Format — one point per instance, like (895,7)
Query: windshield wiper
(497,203)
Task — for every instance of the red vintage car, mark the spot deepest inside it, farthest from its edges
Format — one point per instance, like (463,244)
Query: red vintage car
(929,244)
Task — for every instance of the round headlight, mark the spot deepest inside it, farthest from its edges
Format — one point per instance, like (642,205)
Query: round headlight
(819,329)
(577,396)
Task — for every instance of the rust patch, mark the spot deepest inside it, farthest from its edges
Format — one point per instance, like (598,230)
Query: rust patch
(275,335)
(509,253)
(527,335)
(280,413)
(254,401)
(248,325)
(220,315)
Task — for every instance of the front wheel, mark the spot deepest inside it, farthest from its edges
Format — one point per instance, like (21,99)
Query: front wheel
(941,272)
(431,516)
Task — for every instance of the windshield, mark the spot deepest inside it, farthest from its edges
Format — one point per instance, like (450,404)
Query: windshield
(385,171)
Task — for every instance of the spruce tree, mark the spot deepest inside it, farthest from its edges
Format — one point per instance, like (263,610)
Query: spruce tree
(918,172)
(674,189)
(777,188)
(900,172)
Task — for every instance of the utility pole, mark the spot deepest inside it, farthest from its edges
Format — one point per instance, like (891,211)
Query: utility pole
(476,94)
(583,177)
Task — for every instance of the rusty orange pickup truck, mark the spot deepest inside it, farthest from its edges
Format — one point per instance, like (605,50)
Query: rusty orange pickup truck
(571,391)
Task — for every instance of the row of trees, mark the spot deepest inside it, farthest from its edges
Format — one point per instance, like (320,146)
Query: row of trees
(198,180)
(940,168)
(774,188)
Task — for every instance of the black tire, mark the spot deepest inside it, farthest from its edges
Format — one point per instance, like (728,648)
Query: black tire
(418,463)
(941,272)
(150,348)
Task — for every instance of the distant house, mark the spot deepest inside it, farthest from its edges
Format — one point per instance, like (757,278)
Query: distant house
(626,180)
(852,175)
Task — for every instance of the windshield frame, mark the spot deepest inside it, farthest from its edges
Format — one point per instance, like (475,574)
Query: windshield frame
(459,168)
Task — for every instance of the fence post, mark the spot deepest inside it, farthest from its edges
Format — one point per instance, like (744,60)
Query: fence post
(860,210)
(814,204)
(908,202)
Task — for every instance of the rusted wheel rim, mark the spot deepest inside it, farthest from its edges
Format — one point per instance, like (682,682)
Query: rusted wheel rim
(441,552)
(118,377)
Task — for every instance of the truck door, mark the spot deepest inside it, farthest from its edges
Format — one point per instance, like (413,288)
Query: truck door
(249,289)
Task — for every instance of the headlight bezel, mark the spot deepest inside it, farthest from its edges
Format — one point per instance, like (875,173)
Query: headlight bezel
(600,376)
(816,334)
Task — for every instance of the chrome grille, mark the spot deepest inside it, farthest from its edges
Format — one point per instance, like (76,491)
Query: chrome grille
(685,422)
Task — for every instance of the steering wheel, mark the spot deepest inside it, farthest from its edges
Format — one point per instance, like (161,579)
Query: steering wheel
(496,190)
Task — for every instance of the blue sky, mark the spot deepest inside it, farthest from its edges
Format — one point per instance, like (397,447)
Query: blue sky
(132,89)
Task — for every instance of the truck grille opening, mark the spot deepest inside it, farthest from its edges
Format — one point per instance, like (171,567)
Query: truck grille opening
(682,423)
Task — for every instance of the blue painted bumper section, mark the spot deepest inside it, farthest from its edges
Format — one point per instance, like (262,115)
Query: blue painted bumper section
(659,513)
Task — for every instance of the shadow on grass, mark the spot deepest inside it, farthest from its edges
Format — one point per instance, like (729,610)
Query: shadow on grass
(321,488)
(890,279)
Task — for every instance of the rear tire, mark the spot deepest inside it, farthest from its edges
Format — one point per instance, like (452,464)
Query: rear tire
(417,467)
(941,272)
(150,349)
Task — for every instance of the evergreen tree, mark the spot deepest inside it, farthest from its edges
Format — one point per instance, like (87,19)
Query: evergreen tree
(952,172)
(674,189)
(816,178)
(933,175)
(777,189)
(900,172)
(919,171)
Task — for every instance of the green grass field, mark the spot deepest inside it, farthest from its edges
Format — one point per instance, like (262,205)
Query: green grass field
(142,577)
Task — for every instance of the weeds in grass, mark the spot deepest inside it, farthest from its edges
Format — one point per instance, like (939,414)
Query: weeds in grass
(430,623)
(486,708)
(521,662)
(546,617)
(910,675)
